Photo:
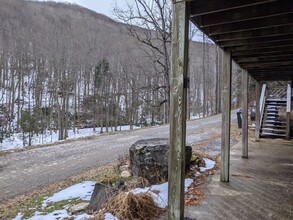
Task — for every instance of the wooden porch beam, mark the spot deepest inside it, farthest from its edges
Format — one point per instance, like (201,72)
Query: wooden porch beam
(226,116)
(267,32)
(248,13)
(242,42)
(260,65)
(263,51)
(255,24)
(178,106)
(212,6)
(286,57)
(272,72)
(269,76)
(244,107)
(287,53)
(263,45)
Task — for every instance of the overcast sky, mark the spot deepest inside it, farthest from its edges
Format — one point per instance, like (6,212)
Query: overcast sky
(101,6)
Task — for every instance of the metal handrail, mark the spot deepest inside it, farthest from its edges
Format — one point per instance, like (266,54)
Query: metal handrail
(262,103)
(289,90)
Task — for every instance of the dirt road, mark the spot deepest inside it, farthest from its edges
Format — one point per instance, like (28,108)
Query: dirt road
(26,171)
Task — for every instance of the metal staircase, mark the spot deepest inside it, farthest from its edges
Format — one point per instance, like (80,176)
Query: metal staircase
(276,107)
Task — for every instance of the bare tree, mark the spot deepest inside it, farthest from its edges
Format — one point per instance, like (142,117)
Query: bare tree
(47,67)
(154,35)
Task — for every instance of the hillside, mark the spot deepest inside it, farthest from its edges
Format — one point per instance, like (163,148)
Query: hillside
(66,67)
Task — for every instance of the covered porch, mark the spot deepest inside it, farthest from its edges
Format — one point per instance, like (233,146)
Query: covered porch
(259,188)
(257,35)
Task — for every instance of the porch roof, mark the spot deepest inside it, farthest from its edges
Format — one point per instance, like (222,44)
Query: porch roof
(259,33)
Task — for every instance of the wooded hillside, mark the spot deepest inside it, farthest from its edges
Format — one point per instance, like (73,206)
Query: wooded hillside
(66,67)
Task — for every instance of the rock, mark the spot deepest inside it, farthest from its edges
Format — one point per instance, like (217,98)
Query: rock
(149,159)
(78,207)
(123,168)
(119,184)
(102,192)
(125,174)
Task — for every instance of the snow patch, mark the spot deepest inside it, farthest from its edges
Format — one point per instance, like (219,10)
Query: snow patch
(84,191)
(161,199)
(82,216)
(109,216)
(18,217)
(16,140)
(81,191)
(56,215)
(209,165)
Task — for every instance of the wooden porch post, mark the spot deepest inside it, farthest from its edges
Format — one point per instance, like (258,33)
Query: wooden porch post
(257,110)
(226,116)
(178,100)
(244,107)
(288,111)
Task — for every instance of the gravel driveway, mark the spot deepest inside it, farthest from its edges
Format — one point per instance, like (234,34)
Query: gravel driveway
(25,171)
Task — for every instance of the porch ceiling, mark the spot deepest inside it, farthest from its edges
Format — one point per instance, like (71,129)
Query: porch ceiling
(259,33)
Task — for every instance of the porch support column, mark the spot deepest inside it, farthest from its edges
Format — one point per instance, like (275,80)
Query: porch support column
(288,111)
(257,110)
(226,116)
(244,106)
(178,100)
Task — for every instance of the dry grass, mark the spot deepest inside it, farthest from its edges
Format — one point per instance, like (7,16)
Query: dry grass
(133,206)
(195,194)
(25,203)
(235,132)
(201,144)
(137,182)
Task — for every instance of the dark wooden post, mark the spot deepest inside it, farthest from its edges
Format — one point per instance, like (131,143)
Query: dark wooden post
(244,107)
(226,116)
(288,111)
(257,110)
(178,100)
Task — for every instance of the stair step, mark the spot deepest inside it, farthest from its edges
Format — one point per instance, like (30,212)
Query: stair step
(272,117)
(272,125)
(276,100)
(274,104)
(274,122)
(272,107)
(273,130)
(272,134)
(272,111)
(272,114)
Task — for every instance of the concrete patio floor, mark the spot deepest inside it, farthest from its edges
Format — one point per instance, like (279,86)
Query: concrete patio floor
(260,187)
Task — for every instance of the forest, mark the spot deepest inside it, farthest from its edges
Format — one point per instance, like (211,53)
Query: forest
(64,67)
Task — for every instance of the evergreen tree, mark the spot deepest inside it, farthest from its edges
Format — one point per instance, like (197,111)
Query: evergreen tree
(28,124)
(101,72)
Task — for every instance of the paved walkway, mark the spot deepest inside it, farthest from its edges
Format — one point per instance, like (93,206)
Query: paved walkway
(260,187)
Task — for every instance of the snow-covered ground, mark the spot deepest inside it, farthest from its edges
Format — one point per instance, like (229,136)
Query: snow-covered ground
(161,199)
(196,116)
(83,191)
(210,164)
(16,140)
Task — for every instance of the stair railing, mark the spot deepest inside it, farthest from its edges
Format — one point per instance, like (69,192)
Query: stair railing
(288,111)
(262,103)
